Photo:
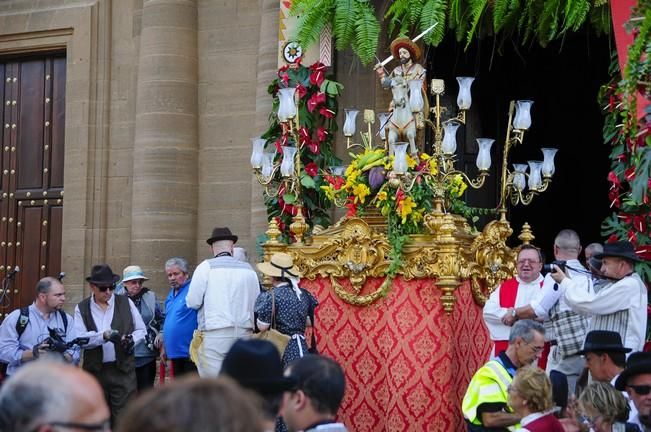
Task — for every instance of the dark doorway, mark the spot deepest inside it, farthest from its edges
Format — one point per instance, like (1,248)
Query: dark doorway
(563,80)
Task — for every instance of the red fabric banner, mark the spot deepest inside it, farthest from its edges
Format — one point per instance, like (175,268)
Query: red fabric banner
(407,362)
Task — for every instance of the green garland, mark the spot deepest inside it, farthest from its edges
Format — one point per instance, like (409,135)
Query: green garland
(355,24)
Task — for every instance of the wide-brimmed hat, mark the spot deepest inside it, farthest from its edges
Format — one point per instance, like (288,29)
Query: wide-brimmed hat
(256,365)
(602,340)
(101,274)
(221,234)
(638,363)
(280,265)
(408,44)
(619,249)
(133,272)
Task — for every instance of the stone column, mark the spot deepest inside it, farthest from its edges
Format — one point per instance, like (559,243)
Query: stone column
(164,210)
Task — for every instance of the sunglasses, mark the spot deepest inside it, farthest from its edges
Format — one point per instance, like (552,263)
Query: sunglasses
(642,390)
(101,426)
(104,288)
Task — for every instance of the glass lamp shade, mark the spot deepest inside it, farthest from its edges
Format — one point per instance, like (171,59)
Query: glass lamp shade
(464,99)
(484,155)
(548,167)
(338,170)
(384,120)
(287,106)
(400,159)
(268,164)
(287,165)
(534,174)
(519,176)
(416,95)
(449,145)
(257,152)
(349,122)
(522,119)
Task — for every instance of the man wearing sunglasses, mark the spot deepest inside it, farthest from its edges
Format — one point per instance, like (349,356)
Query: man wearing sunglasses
(636,380)
(113,325)
(48,396)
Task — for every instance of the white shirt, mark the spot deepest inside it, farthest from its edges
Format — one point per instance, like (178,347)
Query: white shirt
(103,319)
(224,290)
(628,293)
(493,312)
(548,296)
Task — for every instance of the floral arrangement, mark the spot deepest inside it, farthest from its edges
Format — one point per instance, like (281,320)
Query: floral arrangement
(630,139)
(314,135)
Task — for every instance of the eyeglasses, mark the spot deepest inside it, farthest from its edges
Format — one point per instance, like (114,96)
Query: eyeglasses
(642,390)
(535,348)
(104,288)
(103,426)
(528,261)
(588,420)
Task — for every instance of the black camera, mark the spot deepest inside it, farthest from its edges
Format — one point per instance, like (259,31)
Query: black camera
(549,268)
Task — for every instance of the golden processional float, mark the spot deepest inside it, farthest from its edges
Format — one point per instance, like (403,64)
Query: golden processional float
(448,251)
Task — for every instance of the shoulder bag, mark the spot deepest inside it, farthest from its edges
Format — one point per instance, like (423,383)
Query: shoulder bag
(280,340)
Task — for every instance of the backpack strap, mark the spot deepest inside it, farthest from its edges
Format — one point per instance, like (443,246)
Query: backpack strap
(64,318)
(23,320)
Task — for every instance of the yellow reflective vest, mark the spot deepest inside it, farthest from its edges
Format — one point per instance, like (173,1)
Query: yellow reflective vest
(489,385)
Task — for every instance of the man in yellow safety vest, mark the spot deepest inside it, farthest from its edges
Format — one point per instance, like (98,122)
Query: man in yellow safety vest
(485,404)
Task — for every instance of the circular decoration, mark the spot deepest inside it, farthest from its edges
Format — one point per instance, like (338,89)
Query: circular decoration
(292,51)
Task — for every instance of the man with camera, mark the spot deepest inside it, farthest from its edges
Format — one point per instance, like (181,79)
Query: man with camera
(113,325)
(25,333)
(620,306)
(567,328)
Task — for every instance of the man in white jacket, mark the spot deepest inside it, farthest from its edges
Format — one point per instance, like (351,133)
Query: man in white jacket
(223,290)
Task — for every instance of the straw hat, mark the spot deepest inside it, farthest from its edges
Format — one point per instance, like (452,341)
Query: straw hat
(280,265)
(406,43)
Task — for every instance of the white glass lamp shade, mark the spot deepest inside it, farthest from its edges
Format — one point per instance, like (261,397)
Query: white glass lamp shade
(519,176)
(400,160)
(449,144)
(287,106)
(338,170)
(384,121)
(416,95)
(464,99)
(548,167)
(534,174)
(349,122)
(484,155)
(268,164)
(522,118)
(257,152)
(287,165)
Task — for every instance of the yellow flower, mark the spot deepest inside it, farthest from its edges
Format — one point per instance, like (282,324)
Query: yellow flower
(329,192)
(417,216)
(433,167)
(424,156)
(361,191)
(406,206)
(381,196)
(411,162)
(388,164)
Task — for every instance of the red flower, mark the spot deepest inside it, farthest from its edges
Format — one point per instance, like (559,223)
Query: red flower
(639,223)
(318,74)
(322,134)
(612,177)
(632,237)
(303,135)
(312,169)
(278,146)
(284,77)
(317,99)
(336,182)
(644,252)
(325,112)
(352,210)
(301,91)
(612,239)
(629,174)
(314,147)
(613,196)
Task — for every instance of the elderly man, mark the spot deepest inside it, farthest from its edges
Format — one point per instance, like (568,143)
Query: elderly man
(312,404)
(24,332)
(499,310)
(568,328)
(485,404)
(180,321)
(223,290)
(620,306)
(50,396)
(635,379)
(113,325)
(591,250)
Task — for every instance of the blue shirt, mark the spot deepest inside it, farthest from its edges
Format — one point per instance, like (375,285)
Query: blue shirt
(180,323)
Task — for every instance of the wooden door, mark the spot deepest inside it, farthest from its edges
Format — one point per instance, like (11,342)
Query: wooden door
(31,177)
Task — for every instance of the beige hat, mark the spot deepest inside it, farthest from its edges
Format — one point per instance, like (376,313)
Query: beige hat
(133,272)
(280,265)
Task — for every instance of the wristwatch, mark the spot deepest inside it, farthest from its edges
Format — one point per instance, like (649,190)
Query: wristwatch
(514,313)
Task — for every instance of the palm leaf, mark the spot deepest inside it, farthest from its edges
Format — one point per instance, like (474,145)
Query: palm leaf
(344,24)
(367,31)
(433,12)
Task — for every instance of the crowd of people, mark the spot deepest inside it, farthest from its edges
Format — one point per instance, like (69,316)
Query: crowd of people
(568,347)
(96,369)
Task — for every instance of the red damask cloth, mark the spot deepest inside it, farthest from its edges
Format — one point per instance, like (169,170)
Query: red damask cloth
(407,362)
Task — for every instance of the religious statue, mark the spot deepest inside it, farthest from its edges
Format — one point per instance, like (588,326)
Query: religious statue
(407,84)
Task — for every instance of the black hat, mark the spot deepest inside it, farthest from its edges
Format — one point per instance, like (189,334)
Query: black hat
(602,340)
(221,234)
(255,364)
(638,363)
(101,274)
(620,249)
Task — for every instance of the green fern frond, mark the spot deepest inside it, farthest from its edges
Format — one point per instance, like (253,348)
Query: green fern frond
(477,8)
(576,12)
(344,23)
(433,12)
(367,31)
(548,22)
(505,14)
(396,13)
(458,18)
(415,8)
(600,19)
(311,21)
